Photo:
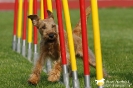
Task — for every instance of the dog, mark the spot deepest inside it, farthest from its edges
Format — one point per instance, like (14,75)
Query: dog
(50,47)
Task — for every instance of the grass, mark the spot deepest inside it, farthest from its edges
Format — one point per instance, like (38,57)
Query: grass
(116,42)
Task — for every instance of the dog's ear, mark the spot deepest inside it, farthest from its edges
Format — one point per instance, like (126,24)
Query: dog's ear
(50,14)
(34,18)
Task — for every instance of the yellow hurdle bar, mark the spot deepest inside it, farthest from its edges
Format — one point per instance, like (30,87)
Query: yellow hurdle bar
(71,44)
(49,5)
(95,21)
(19,31)
(30,31)
(42,9)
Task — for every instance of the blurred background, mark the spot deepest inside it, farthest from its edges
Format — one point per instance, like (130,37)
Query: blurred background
(74,4)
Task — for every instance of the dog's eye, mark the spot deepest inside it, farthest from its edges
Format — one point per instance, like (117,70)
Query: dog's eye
(53,26)
(43,27)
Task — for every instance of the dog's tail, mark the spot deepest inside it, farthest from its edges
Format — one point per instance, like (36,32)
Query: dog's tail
(77,29)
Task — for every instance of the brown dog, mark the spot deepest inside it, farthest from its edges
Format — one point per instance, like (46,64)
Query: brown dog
(50,47)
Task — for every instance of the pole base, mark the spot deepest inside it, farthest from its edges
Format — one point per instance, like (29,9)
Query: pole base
(48,65)
(35,57)
(14,45)
(24,51)
(18,47)
(24,48)
(87,81)
(100,87)
(75,80)
(65,76)
(29,56)
(14,42)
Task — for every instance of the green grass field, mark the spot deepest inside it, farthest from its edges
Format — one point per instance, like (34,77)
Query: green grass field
(117,52)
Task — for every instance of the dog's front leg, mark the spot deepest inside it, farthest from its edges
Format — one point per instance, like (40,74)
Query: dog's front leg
(35,76)
(55,73)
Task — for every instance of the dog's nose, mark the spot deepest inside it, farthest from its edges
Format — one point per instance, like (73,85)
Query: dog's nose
(51,35)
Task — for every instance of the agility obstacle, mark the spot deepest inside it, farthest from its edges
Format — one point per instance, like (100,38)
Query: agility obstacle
(24,27)
(85,44)
(19,28)
(15,25)
(95,21)
(47,4)
(35,33)
(30,31)
(62,44)
(44,7)
(71,44)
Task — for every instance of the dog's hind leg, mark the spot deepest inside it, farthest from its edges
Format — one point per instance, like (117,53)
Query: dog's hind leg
(92,60)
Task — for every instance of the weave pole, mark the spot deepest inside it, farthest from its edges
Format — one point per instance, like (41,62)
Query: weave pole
(42,9)
(15,25)
(30,31)
(35,33)
(48,5)
(95,21)
(85,44)
(71,44)
(19,30)
(45,8)
(44,14)
(24,27)
(62,44)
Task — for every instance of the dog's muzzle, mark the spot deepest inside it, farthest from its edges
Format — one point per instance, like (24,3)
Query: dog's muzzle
(51,35)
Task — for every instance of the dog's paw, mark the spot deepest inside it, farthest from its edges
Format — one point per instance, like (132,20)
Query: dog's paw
(54,76)
(33,79)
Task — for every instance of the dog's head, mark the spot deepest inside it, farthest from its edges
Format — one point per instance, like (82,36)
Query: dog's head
(47,27)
